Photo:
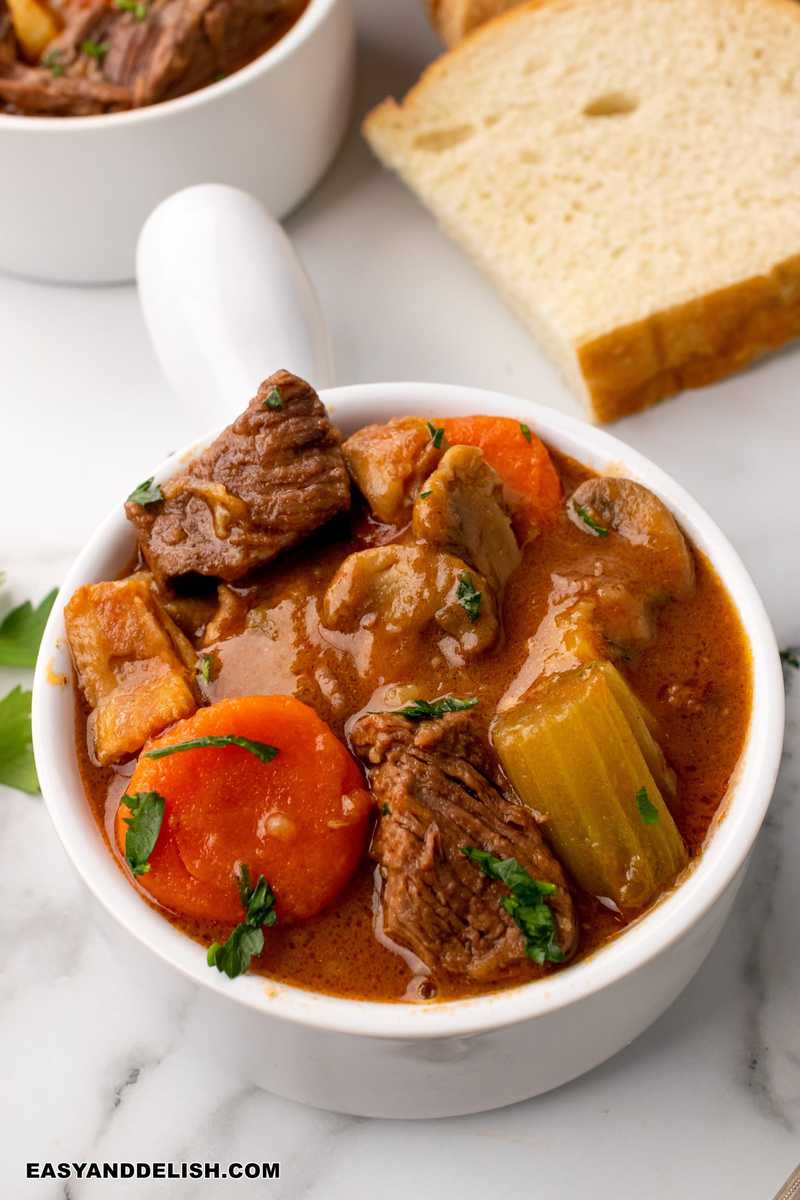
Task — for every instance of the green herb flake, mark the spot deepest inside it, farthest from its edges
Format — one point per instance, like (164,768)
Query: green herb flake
(526,905)
(427,710)
(137,10)
(590,522)
(385,810)
(468,596)
(424,495)
(233,957)
(17,768)
(144,826)
(525,431)
(96,50)
(274,400)
(262,750)
(53,63)
(647,810)
(437,433)
(146,493)
(205,667)
(21,632)
(789,658)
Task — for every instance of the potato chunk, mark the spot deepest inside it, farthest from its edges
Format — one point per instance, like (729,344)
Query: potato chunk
(389,463)
(35,26)
(134,665)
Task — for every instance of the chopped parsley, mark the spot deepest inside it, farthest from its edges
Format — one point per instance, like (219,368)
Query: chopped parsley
(274,399)
(205,667)
(21,632)
(262,750)
(385,810)
(144,826)
(54,64)
(424,495)
(526,905)
(590,522)
(137,10)
(427,710)
(468,596)
(525,431)
(146,493)
(789,658)
(647,810)
(233,956)
(92,49)
(436,432)
(17,768)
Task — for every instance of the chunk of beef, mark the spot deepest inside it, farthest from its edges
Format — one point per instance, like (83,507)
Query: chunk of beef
(265,484)
(134,666)
(402,590)
(432,784)
(176,47)
(461,509)
(389,463)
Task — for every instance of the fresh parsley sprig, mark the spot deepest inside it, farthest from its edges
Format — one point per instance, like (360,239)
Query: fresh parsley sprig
(647,810)
(525,431)
(468,596)
(136,8)
(144,826)
(590,522)
(526,905)
(17,768)
(437,433)
(93,49)
(21,632)
(427,710)
(233,956)
(274,399)
(146,493)
(262,750)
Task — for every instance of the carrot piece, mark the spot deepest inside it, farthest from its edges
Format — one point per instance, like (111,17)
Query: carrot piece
(300,820)
(520,458)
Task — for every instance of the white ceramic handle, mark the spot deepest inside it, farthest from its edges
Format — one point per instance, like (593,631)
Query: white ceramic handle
(226,301)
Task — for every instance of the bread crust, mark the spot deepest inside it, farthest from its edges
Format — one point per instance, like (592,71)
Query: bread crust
(453,20)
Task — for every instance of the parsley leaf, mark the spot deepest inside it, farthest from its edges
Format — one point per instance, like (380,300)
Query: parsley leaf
(17,768)
(436,432)
(424,495)
(468,596)
(590,522)
(647,810)
(146,493)
(233,956)
(526,905)
(137,10)
(274,399)
(525,431)
(425,710)
(262,750)
(94,49)
(144,826)
(205,667)
(53,63)
(790,659)
(21,632)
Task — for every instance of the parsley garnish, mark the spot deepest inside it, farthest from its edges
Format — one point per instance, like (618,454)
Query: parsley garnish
(436,432)
(526,905)
(21,632)
(426,710)
(146,493)
(263,752)
(468,596)
(647,810)
(274,399)
(385,810)
(53,63)
(205,666)
(144,826)
(590,522)
(233,956)
(137,10)
(17,768)
(788,657)
(424,495)
(525,431)
(93,49)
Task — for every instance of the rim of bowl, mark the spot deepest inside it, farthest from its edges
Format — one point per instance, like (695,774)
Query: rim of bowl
(730,842)
(304,27)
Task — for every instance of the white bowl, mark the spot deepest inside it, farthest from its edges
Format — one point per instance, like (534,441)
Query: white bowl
(407,1060)
(78,189)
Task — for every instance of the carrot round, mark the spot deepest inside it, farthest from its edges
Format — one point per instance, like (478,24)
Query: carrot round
(300,819)
(520,458)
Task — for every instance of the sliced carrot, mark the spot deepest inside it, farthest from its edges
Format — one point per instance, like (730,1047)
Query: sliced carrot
(520,458)
(300,820)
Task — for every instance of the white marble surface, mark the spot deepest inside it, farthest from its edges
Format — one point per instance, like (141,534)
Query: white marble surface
(107,1058)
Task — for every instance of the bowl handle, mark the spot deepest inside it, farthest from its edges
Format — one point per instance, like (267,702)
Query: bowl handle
(226,300)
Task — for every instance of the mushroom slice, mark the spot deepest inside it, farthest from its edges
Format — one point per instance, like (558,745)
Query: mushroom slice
(405,589)
(389,462)
(461,509)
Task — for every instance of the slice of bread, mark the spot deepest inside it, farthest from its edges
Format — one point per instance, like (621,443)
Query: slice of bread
(454,19)
(627,172)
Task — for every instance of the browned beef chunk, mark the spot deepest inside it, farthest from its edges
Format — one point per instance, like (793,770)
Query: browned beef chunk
(432,784)
(160,50)
(270,479)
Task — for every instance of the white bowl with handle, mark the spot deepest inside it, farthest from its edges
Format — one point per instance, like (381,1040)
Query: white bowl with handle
(77,190)
(394,1060)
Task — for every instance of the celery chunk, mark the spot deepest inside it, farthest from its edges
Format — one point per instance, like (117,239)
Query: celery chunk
(581,751)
